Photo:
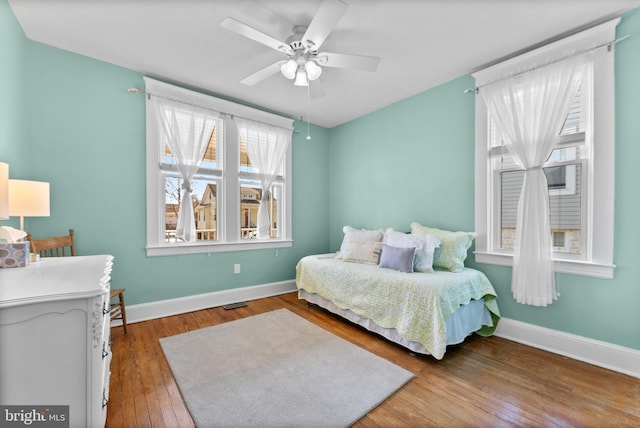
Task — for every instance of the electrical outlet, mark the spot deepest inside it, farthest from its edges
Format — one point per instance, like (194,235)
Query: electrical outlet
(236,268)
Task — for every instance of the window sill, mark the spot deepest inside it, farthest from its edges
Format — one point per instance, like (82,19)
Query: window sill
(189,248)
(575,267)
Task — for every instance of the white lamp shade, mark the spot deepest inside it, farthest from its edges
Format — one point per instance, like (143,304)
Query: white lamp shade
(288,69)
(4,191)
(28,198)
(301,78)
(313,70)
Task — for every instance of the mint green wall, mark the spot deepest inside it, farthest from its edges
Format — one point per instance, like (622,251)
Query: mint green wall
(414,161)
(86,136)
(13,147)
(401,163)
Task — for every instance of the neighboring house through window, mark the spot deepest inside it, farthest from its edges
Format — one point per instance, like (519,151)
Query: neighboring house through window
(225,189)
(579,170)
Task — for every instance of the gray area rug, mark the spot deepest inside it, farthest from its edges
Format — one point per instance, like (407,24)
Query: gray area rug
(277,370)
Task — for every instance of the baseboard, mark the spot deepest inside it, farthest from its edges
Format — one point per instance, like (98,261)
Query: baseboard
(181,305)
(602,354)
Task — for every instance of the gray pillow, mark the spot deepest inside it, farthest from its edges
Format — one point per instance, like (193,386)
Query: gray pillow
(397,258)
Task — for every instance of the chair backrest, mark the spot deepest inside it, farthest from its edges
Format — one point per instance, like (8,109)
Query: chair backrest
(53,247)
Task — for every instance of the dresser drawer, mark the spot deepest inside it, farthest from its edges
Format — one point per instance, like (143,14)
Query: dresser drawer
(100,409)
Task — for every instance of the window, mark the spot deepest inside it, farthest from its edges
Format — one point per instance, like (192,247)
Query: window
(579,170)
(226,190)
(563,170)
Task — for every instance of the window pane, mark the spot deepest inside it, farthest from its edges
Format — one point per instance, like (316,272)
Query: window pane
(204,200)
(206,210)
(172,194)
(209,160)
(564,154)
(245,164)
(511,185)
(275,209)
(250,196)
(576,118)
(565,205)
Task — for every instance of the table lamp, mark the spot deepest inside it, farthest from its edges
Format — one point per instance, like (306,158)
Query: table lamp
(28,198)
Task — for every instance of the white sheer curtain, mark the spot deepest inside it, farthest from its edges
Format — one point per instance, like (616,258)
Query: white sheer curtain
(529,110)
(187,130)
(266,148)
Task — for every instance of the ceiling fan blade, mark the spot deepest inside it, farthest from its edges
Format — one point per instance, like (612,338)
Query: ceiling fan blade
(253,34)
(278,25)
(260,75)
(316,89)
(356,62)
(323,23)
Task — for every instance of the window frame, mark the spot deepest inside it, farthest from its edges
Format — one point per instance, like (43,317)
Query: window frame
(229,239)
(599,223)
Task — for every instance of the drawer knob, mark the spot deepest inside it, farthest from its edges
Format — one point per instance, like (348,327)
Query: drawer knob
(104,351)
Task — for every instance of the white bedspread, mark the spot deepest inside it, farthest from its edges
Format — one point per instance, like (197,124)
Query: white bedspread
(415,304)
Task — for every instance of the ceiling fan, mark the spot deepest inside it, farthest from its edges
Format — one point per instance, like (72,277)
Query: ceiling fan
(304,60)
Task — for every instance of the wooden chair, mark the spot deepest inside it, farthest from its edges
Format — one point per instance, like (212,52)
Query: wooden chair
(57,247)
(117,309)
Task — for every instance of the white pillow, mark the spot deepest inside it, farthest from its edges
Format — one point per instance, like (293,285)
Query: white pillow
(425,246)
(362,252)
(359,235)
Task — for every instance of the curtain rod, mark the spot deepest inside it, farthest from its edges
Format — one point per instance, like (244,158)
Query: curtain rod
(150,94)
(607,44)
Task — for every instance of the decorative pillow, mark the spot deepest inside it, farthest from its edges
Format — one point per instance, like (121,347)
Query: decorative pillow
(453,246)
(425,245)
(359,235)
(397,258)
(362,252)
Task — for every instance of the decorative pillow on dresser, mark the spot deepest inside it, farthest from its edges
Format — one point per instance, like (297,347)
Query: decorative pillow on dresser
(424,245)
(453,246)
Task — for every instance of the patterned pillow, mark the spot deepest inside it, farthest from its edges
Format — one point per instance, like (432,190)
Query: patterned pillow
(362,252)
(453,246)
(397,258)
(425,245)
(358,235)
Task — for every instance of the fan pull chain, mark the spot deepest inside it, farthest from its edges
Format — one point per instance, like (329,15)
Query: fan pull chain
(308,110)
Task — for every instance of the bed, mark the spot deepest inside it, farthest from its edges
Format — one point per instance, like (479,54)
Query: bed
(422,311)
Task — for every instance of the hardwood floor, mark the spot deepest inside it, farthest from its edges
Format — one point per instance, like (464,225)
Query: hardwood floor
(484,382)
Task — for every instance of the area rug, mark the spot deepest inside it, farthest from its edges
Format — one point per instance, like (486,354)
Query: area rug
(277,370)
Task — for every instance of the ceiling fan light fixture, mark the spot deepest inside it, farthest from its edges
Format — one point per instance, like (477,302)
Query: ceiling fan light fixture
(313,70)
(301,78)
(288,69)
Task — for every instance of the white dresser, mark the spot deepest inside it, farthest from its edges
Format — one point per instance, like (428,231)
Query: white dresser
(55,338)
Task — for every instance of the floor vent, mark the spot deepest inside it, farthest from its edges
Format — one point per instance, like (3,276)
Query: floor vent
(235,305)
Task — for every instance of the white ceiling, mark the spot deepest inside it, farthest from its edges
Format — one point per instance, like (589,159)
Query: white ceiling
(421,43)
